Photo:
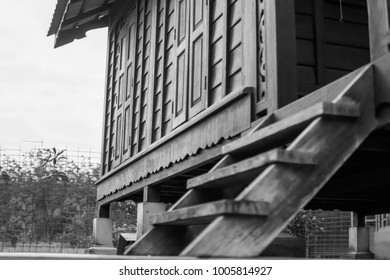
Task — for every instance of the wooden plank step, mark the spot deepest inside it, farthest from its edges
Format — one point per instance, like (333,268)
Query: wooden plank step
(206,212)
(243,172)
(282,131)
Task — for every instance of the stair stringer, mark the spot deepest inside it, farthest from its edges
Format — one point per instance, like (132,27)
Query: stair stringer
(288,189)
(248,236)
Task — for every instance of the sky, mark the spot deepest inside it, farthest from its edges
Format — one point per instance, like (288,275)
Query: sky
(54,95)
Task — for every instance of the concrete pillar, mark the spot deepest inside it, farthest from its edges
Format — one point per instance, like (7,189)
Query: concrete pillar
(144,211)
(359,239)
(102,236)
(382,244)
(102,231)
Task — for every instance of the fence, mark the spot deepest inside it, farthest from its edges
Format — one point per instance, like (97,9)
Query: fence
(332,243)
(47,203)
(76,155)
(6,247)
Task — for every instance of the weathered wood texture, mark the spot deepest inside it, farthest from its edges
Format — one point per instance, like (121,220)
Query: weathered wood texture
(332,40)
(280,52)
(222,121)
(243,172)
(286,187)
(379,17)
(276,134)
(170,61)
(203,213)
(289,189)
(167,62)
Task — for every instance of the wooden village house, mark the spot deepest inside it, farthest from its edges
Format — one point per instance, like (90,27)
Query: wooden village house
(238,113)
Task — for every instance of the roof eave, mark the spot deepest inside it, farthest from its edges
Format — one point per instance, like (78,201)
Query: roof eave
(66,29)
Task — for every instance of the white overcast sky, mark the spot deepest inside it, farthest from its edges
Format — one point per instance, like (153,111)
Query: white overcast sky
(46,93)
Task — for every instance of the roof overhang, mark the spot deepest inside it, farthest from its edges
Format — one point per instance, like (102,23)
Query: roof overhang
(73,18)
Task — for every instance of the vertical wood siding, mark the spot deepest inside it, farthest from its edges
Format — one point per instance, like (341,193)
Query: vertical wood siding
(168,60)
(218,42)
(330,42)
(234,47)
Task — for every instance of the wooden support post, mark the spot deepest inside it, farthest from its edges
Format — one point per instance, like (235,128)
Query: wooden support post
(104,211)
(280,49)
(151,194)
(151,205)
(379,27)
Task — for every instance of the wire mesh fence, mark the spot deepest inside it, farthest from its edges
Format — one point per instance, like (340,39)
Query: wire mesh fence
(7,247)
(47,201)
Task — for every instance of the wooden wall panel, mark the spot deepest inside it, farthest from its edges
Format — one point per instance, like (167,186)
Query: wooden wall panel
(218,41)
(107,151)
(145,76)
(163,70)
(331,40)
(234,48)
(131,30)
(168,61)
(232,118)
(139,116)
(159,72)
(166,115)
(116,113)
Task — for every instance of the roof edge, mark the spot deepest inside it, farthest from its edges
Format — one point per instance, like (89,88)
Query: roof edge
(57,17)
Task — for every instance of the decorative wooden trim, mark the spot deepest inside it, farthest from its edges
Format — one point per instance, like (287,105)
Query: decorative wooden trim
(261,106)
(232,119)
(196,120)
(202,158)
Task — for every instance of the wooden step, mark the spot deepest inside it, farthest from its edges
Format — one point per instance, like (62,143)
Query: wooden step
(205,213)
(281,132)
(243,172)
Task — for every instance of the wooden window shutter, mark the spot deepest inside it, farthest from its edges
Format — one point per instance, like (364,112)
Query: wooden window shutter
(199,54)
(181,63)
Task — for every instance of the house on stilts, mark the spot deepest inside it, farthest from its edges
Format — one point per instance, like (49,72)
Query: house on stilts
(239,113)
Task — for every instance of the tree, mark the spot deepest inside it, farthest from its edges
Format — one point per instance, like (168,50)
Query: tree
(46,197)
(305,225)
(124,215)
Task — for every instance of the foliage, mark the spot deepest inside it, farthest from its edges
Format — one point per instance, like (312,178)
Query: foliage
(305,225)
(124,215)
(45,197)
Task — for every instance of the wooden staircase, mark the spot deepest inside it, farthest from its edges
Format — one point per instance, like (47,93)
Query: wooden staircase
(265,177)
